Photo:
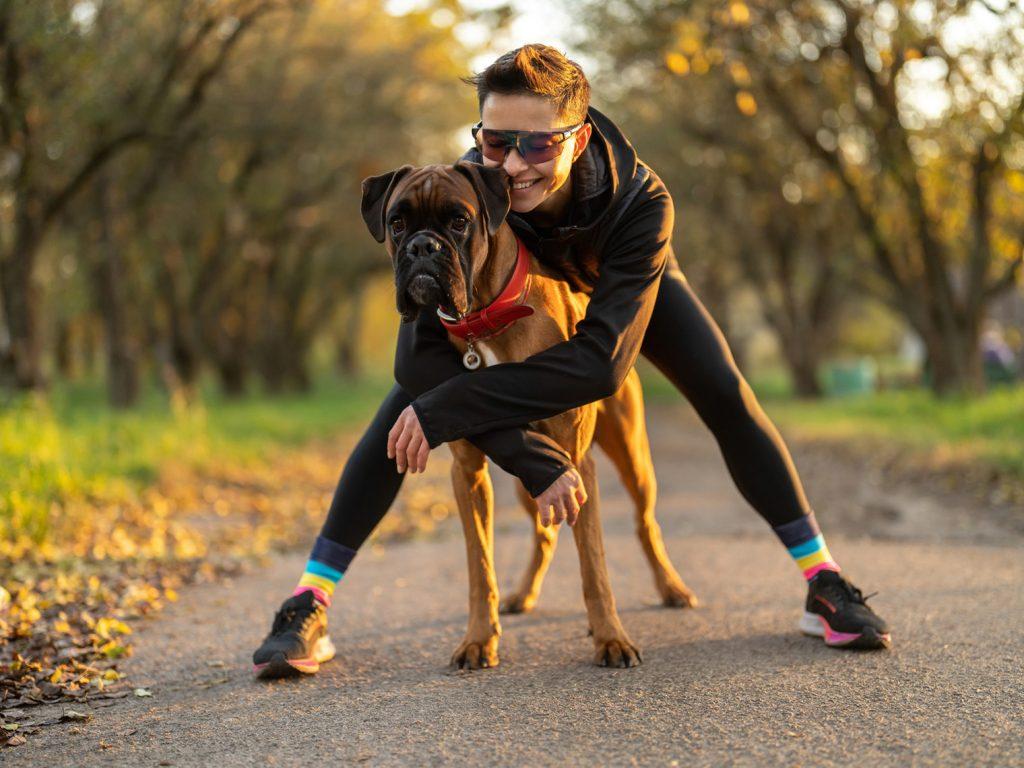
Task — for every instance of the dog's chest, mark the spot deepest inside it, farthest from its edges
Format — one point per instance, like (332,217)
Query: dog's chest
(488,354)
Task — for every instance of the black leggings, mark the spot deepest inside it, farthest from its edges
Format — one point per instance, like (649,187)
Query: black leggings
(686,345)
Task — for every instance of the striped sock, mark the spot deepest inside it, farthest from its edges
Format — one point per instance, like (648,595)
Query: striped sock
(326,565)
(803,539)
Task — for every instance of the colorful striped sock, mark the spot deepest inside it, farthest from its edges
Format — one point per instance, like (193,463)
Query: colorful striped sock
(803,539)
(326,565)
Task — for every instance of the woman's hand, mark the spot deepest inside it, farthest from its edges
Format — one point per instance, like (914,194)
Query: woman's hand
(562,499)
(407,444)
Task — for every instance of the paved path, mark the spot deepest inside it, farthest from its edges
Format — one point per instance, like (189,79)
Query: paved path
(730,683)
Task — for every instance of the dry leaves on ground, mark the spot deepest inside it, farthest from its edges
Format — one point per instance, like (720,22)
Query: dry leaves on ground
(68,605)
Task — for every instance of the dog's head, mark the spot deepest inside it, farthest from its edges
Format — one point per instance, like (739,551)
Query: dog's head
(437,222)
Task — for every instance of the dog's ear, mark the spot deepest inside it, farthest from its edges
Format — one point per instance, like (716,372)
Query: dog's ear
(376,193)
(491,185)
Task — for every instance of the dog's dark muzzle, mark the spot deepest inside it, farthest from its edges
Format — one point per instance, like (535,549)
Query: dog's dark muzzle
(427,274)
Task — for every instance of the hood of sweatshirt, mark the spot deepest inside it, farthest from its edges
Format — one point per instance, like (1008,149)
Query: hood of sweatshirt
(600,177)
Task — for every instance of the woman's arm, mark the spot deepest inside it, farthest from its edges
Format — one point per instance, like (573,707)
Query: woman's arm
(592,364)
(425,358)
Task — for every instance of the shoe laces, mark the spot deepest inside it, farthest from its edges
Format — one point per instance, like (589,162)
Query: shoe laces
(850,593)
(293,619)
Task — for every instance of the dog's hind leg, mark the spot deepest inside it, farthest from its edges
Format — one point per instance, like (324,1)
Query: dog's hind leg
(612,646)
(622,435)
(544,540)
(475,497)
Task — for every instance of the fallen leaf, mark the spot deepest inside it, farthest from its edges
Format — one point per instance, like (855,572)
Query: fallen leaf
(217,681)
(16,741)
(143,692)
(73,715)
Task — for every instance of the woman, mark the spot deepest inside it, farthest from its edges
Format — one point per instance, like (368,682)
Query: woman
(584,202)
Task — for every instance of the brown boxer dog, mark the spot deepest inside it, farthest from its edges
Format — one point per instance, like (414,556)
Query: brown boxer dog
(460,275)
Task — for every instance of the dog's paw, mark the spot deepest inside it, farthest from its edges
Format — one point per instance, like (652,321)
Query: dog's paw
(475,655)
(678,596)
(517,604)
(619,652)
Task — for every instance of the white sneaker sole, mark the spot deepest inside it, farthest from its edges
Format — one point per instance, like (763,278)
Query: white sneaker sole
(810,624)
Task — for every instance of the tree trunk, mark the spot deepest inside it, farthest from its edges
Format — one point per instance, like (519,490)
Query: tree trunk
(182,364)
(803,369)
(109,274)
(232,374)
(954,365)
(349,364)
(64,352)
(20,306)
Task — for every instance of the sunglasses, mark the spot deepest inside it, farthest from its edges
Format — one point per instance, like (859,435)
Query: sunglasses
(533,146)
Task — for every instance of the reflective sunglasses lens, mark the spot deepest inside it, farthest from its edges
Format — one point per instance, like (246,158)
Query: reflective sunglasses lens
(541,152)
(535,148)
(494,145)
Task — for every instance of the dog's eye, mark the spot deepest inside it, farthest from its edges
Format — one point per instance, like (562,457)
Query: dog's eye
(398,225)
(459,223)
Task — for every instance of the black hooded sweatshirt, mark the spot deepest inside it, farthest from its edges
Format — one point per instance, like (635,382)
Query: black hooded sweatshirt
(614,246)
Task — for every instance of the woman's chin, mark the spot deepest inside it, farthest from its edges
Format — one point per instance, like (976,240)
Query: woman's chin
(525,206)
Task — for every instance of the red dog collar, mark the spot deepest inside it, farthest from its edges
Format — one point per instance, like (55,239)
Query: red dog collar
(500,313)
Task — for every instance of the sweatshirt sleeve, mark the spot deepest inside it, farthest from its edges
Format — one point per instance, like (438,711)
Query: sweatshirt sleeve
(591,365)
(424,358)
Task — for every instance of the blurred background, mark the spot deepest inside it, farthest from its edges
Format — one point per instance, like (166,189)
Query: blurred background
(186,284)
(180,180)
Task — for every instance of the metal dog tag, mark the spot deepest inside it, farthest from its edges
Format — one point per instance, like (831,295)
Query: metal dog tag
(471,359)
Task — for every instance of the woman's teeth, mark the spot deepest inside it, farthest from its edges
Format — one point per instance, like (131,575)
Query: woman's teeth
(525,184)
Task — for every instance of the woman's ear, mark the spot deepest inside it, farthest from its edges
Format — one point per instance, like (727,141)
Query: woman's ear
(376,193)
(582,139)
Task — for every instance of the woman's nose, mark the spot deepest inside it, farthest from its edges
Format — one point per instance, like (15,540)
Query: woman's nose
(514,162)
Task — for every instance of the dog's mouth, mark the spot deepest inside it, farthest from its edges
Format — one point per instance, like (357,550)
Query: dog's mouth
(433,284)
(424,290)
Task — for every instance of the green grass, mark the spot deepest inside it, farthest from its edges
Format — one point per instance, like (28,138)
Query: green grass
(987,429)
(70,445)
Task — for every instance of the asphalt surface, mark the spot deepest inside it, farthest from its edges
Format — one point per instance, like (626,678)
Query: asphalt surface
(729,683)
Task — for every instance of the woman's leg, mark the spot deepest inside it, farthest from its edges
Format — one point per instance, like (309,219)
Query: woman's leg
(368,486)
(369,482)
(686,344)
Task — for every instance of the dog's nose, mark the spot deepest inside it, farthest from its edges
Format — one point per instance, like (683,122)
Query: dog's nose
(423,246)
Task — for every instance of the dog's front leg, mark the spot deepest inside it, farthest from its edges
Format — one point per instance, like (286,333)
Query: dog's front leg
(612,646)
(475,497)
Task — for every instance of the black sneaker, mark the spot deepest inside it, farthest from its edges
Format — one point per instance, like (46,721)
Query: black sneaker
(298,640)
(837,611)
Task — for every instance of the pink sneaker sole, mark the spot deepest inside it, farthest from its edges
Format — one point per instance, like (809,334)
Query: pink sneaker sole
(816,626)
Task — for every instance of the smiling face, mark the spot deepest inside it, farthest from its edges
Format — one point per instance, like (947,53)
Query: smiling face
(543,187)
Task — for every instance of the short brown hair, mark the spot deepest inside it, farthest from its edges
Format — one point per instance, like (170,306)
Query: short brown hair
(540,70)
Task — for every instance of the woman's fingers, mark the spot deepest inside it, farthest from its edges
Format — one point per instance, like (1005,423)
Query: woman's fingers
(563,500)
(412,453)
(545,515)
(401,450)
(559,511)
(572,509)
(422,455)
(581,494)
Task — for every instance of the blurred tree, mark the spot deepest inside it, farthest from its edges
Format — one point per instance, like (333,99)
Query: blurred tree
(82,82)
(194,168)
(915,110)
(740,223)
